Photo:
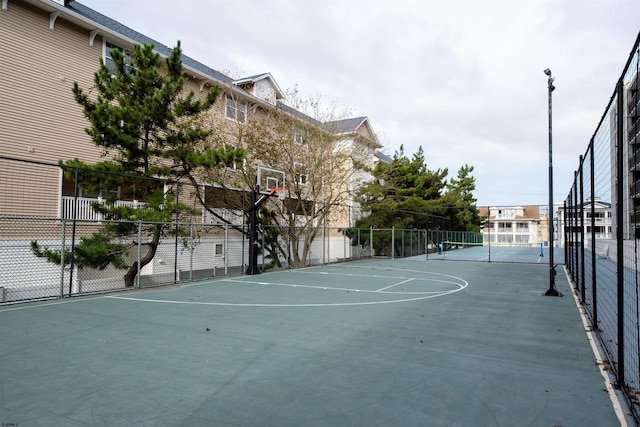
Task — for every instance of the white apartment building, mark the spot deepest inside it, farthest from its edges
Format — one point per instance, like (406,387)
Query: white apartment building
(602,224)
(512,225)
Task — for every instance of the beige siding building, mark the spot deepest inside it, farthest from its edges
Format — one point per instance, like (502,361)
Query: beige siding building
(48,45)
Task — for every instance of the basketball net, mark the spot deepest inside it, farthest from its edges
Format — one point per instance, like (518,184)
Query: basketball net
(280,193)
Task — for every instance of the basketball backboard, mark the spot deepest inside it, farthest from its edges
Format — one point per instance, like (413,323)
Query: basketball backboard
(268,179)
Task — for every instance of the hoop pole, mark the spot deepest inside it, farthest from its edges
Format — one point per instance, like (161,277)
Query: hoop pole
(253,227)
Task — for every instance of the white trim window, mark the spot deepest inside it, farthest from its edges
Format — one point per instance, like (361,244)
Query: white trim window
(236,110)
(300,137)
(108,61)
(300,174)
(218,250)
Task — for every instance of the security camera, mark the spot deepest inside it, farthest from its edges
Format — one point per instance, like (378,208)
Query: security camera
(547,72)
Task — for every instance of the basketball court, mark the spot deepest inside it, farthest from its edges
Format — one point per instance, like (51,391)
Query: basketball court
(378,343)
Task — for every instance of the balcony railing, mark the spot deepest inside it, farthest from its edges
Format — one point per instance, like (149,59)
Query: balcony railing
(84,210)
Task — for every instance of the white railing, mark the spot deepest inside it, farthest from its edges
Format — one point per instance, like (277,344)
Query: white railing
(84,210)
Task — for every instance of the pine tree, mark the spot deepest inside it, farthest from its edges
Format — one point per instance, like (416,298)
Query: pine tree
(402,193)
(460,201)
(153,139)
(406,194)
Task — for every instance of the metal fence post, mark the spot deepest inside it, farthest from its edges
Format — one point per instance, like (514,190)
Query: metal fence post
(411,242)
(73,230)
(427,234)
(489,225)
(289,247)
(328,259)
(583,288)
(62,260)
(576,232)
(324,241)
(226,249)
(191,250)
(594,280)
(371,241)
(393,242)
(139,253)
(346,248)
(565,232)
(619,162)
(176,277)
(426,248)
(569,236)
(262,247)
(572,231)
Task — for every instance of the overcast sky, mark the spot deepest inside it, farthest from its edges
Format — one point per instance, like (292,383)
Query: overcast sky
(461,78)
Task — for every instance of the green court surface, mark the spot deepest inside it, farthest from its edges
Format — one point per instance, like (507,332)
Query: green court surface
(370,343)
(533,253)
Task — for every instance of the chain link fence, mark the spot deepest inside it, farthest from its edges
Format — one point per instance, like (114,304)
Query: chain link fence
(194,252)
(602,231)
(49,224)
(186,252)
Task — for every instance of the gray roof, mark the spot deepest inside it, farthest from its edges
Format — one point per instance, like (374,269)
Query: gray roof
(254,77)
(298,114)
(117,27)
(335,127)
(383,157)
(346,125)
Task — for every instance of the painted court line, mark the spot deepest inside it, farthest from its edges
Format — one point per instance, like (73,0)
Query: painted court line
(396,284)
(325,273)
(47,304)
(229,304)
(331,288)
(457,285)
(252,282)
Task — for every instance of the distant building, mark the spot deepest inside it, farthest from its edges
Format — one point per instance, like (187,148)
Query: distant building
(517,224)
(631,138)
(602,224)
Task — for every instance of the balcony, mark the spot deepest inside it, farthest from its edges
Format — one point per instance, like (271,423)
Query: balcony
(84,209)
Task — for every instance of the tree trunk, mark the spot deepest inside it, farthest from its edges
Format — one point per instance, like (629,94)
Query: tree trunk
(130,275)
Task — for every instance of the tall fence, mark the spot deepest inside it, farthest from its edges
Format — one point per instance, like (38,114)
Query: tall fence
(185,252)
(195,252)
(602,230)
(55,233)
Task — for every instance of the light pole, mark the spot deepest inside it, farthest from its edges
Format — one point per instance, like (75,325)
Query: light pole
(552,268)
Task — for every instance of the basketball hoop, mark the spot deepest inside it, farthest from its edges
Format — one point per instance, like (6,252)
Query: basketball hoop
(280,193)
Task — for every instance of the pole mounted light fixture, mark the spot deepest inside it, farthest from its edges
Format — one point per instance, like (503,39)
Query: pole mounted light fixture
(552,268)
(550,81)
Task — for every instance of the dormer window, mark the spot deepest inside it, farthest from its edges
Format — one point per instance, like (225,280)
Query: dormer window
(261,86)
(236,110)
